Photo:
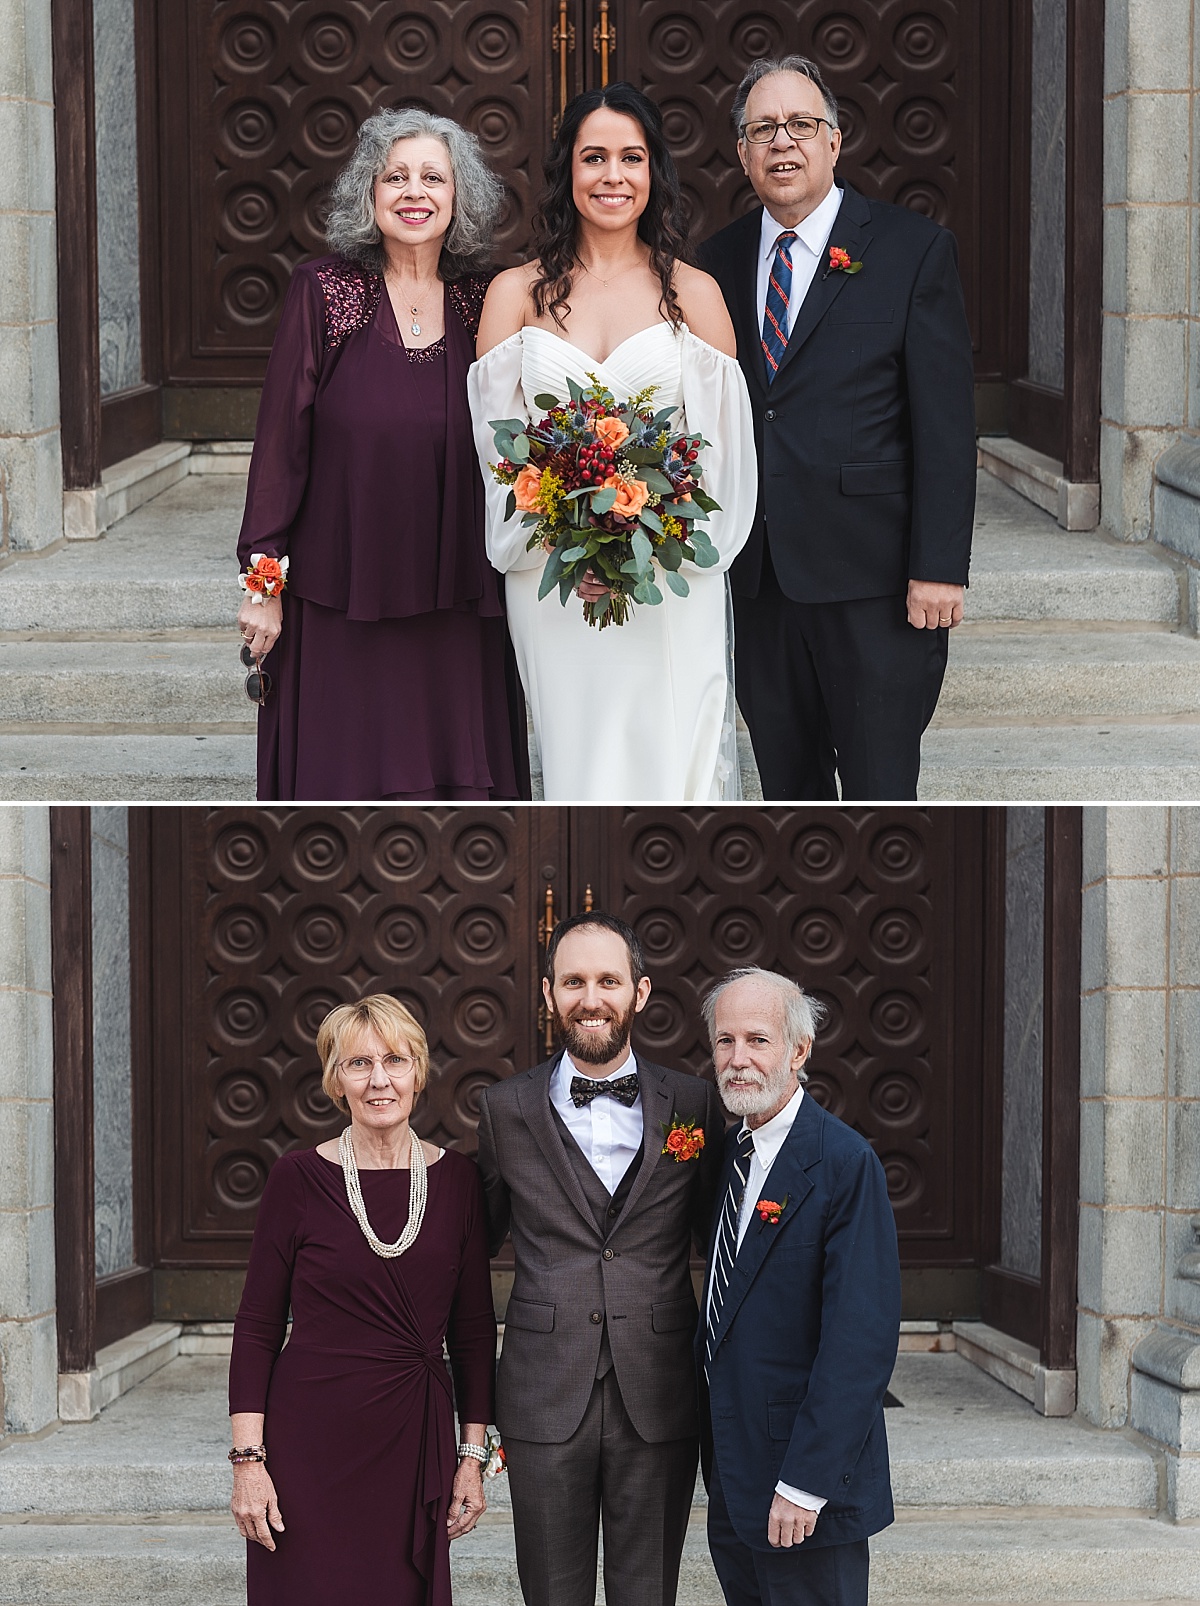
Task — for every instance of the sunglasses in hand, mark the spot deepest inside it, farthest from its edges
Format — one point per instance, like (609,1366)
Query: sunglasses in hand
(258,682)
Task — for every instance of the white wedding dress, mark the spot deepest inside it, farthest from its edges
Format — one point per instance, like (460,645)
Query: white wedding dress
(640,712)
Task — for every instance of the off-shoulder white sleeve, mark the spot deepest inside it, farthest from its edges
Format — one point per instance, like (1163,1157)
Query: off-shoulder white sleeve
(494,391)
(717,405)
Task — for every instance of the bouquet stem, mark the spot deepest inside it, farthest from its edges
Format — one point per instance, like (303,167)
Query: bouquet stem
(614,609)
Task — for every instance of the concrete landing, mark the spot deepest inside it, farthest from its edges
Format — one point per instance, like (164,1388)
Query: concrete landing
(995,1504)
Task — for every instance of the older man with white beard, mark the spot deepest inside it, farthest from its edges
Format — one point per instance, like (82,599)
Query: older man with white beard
(801,1318)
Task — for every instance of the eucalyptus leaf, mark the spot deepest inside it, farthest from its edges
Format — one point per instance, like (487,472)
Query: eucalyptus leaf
(551,574)
(510,505)
(670,554)
(574,553)
(704,557)
(575,390)
(519,452)
(642,550)
(602,501)
(511,426)
(677,583)
(566,588)
(680,510)
(654,481)
(547,402)
(651,520)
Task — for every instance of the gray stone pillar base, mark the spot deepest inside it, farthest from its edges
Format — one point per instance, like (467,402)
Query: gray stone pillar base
(1165,1406)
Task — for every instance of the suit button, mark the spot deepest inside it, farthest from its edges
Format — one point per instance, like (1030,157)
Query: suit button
(596,1316)
(608,1254)
(612,1210)
(769,415)
(846,1478)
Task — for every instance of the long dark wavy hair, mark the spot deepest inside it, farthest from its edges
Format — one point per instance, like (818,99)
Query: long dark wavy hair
(556,222)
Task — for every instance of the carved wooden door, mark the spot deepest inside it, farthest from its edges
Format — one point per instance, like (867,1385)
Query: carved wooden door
(260,100)
(880,914)
(263,920)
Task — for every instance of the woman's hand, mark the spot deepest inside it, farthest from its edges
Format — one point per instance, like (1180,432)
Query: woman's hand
(591,589)
(260,624)
(467,1503)
(254,1505)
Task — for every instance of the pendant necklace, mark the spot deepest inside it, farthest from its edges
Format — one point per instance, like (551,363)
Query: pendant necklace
(418,1187)
(416,327)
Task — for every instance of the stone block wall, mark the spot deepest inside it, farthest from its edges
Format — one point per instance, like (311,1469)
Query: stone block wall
(30,450)
(28,1341)
(1140,1134)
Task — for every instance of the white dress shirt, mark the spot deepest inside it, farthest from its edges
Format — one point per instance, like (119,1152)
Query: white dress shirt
(768,1140)
(808,252)
(608,1132)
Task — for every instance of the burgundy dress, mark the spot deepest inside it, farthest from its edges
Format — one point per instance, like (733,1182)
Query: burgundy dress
(359,1419)
(393,676)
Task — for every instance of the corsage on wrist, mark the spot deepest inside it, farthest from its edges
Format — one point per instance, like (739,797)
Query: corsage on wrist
(266,576)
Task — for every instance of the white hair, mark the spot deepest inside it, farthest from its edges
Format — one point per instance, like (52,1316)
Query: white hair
(802,1014)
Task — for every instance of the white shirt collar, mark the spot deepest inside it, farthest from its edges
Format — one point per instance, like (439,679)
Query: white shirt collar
(567,1068)
(769,1138)
(813,232)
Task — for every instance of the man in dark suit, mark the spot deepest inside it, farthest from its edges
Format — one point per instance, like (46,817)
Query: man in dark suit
(801,1318)
(596,1394)
(853,338)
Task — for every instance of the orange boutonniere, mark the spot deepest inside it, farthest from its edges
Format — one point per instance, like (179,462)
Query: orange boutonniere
(684,1140)
(839,262)
(769,1211)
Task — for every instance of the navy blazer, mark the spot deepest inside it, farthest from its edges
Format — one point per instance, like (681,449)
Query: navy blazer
(866,438)
(807,1339)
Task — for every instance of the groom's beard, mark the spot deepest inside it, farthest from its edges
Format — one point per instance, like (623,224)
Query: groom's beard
(594,1048)
(766,1093)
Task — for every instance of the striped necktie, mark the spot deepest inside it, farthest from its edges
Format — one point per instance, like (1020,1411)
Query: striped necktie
(726,1244)
(779,294)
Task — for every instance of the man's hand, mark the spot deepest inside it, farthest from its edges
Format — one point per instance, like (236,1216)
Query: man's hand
(789,1524)
(933,606)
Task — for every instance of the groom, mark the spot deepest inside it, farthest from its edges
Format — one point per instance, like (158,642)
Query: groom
(603,1166)
(854,342)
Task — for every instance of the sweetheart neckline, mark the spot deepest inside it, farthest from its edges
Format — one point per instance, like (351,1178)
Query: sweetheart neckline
(601,362)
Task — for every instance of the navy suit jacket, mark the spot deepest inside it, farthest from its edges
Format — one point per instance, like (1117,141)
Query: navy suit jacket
(866,438)
(807,1340)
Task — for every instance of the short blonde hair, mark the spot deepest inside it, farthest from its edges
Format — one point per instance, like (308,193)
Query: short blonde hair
(388,1019)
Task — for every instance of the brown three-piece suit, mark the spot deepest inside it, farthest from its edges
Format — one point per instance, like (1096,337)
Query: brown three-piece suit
(596,1395)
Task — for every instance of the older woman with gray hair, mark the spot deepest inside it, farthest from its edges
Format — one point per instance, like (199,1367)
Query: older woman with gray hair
(373,625)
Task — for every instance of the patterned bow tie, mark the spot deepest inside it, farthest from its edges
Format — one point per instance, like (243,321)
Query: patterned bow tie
(622,1088)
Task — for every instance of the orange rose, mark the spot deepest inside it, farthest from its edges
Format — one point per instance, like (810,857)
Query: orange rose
(676,1140)
(253,581)
(526,486)
(268,568)
(612,432)
(631,499)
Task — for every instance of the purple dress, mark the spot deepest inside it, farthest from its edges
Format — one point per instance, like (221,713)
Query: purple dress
(393,676)
(359,1421)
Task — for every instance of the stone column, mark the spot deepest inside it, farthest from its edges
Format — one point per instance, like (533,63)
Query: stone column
(28,1342)
(30,452)
(1139,1266)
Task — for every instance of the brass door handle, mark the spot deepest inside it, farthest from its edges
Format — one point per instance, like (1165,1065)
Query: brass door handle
(545,930)
(562,42)
(604,41)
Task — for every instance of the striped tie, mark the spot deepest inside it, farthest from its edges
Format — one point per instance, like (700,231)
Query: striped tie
(725,1247)
(779,294)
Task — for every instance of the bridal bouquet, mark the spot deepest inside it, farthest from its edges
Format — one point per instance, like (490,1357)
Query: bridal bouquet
(607,487)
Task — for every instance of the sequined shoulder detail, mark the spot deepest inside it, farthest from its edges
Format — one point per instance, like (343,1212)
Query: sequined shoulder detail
(467,298)
(351,296)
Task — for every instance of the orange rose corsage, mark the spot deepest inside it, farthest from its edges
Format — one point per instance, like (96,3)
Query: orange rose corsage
(266,576)
(684,1140)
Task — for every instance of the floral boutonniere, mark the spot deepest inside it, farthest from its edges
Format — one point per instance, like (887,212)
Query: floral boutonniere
(839,262)
(684,1140)
(769,1211)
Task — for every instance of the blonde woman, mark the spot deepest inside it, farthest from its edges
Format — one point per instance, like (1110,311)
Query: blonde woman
(347,1481)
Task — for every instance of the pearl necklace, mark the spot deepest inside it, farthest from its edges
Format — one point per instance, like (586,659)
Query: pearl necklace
(418,1188)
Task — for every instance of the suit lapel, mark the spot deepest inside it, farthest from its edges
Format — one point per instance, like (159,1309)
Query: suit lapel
(533,1098)
(744,311)
(787,1178)
(852,231)
(656,1114)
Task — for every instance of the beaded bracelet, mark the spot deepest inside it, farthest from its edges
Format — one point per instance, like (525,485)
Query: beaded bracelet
(477,1452)
(252,1452)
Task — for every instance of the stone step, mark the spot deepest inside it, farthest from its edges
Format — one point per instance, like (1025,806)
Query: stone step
(956,1558)
(158,683)
(1026,675)
(1127,763)
(158,769)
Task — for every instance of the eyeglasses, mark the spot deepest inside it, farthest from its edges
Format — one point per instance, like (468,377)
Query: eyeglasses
(363,1064)
(258,682)
(798,127)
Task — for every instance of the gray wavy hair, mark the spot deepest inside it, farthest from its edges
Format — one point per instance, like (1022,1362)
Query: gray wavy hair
(350,226)
(763,68)
(802,1015)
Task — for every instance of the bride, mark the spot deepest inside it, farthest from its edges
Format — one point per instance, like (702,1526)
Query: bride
(643,711)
